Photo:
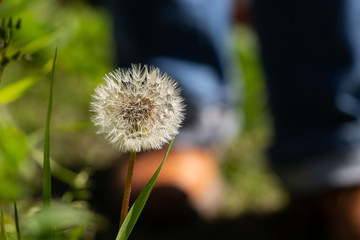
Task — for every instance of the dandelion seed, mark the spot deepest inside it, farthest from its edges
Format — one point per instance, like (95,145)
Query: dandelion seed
(138,108)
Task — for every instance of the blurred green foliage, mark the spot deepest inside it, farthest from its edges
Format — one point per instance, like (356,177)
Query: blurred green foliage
(62,217)
(82,35)
(250,185)
(13,151)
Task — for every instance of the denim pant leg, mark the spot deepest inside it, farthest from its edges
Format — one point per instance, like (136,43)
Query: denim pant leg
(311,57)
(187,39)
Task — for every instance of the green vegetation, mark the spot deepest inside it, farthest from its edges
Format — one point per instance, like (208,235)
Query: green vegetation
(251,186)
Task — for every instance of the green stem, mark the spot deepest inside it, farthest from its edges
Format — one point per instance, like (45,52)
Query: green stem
(46,165)
(1,72)
(127,190)
(18,234)
(2,224)
(140,202)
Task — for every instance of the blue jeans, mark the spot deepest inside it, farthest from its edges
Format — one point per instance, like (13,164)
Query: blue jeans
(311,57)
(188,40)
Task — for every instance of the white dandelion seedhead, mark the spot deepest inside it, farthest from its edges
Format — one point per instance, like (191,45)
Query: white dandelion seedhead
(138,108)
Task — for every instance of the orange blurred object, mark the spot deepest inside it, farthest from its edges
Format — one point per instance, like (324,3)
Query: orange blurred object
(194,171)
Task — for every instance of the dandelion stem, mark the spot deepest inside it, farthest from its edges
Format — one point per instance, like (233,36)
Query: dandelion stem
(127,190)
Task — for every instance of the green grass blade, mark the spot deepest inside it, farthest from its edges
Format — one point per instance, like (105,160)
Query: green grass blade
(140,202)
(46,165)
(17,224)
(2,225)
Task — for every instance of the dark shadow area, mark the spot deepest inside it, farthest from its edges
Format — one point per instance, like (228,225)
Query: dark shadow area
(167,215)
(287,224)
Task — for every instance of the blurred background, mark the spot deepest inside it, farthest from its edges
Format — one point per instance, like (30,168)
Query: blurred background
(82,32)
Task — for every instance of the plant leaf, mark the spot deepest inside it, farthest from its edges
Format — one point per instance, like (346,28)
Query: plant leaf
(15,90)
(140,202)
(46,165)
(63,217)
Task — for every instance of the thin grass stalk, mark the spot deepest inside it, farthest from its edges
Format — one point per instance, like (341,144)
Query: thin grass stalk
(17,225)
(46,165)
(2,224)
(127,190)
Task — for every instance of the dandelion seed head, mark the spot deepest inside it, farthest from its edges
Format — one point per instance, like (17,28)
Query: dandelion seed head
(137,108)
